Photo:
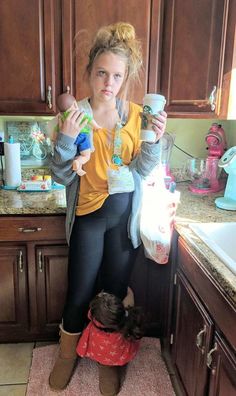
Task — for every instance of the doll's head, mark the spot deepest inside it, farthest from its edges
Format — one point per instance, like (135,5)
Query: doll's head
(109,311)
(66,102)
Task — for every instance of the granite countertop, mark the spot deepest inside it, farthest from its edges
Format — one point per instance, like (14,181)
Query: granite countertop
(16,203)
(199,208)
(192,208)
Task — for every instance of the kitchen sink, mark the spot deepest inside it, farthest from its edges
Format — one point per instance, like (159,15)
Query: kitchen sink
(220,238)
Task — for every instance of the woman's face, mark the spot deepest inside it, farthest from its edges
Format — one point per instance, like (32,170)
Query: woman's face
(107,76)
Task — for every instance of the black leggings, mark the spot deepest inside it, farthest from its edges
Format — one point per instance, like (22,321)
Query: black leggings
(101,257)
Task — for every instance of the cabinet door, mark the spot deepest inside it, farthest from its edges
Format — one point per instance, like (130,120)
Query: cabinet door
(222,363)
(13,292)
(150,283)
(193,56)
(27,64)
(51,284)
(192,338)
(81,19)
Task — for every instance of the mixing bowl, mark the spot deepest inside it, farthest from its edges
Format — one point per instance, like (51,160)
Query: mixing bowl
(204,172)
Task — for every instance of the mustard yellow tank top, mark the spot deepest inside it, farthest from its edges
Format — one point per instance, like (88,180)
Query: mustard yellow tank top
(93,185)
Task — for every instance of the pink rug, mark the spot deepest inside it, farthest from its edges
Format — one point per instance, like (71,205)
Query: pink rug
(146,374)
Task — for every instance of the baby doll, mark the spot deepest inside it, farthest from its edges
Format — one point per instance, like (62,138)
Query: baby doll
(112,338)
(66,103)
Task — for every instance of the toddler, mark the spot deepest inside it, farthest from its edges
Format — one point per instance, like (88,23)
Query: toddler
(112,338)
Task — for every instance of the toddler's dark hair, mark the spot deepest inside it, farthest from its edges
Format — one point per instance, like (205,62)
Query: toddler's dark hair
(109,310)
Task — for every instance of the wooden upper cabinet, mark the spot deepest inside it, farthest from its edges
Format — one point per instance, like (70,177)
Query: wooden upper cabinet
(193,56)
(86,17)
(189,50)
(27,64)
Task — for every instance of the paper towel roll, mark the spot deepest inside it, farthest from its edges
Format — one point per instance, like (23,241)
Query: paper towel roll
(12,164)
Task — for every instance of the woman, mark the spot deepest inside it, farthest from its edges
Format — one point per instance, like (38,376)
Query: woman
(102,252)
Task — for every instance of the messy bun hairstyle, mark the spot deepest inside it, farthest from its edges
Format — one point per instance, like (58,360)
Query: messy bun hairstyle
(120,39)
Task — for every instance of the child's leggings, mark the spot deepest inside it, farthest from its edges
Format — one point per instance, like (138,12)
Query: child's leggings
(99,250)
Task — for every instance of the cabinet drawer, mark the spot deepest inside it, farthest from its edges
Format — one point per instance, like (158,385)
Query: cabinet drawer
(32,228)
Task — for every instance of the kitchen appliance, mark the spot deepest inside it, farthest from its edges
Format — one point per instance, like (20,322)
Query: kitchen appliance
(228,162)
(167,145)
(205,173)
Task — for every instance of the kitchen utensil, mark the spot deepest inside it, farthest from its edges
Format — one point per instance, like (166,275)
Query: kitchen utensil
(205,175)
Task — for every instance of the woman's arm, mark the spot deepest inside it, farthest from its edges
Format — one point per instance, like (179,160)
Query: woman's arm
(65,148)
(61,161)
(149,155)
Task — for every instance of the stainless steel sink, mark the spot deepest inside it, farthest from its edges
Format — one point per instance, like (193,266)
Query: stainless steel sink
(220,238)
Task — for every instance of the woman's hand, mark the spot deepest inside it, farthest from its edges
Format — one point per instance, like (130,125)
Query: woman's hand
(73,124)
(159,124)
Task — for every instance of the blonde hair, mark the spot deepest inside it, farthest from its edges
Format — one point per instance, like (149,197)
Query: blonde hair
(120,39)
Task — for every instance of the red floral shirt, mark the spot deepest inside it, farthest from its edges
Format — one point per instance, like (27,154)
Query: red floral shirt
(110,349)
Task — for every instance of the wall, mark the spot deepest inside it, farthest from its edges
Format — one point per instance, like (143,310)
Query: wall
(190,137)
(232,133)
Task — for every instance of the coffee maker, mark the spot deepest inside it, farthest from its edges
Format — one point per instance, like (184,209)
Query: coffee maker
(228,162)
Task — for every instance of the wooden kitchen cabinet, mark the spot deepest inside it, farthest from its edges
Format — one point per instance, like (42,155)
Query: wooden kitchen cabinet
(33,265)
(192,339)
(222,364)
(30,56)
(151,283)
(202,343)
(198,44)
(33,280)
(13,290)
(82,19)
(51,285)
(188,50)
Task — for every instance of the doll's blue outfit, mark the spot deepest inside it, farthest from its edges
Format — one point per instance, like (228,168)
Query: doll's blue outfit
(82,142)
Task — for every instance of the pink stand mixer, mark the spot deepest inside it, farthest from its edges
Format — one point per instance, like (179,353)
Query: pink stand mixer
(205,173)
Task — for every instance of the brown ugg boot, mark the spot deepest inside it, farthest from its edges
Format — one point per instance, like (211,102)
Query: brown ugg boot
(109,380)
(66,361)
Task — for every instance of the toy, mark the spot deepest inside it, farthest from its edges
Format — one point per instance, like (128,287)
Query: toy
(65,104)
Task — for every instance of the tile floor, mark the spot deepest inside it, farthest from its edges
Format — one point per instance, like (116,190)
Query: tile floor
(15,363)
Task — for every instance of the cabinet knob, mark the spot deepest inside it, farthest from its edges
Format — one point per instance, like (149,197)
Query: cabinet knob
(49,97)
(20,262)
(199,339)
(212,98)
(209,356)
(68,89)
